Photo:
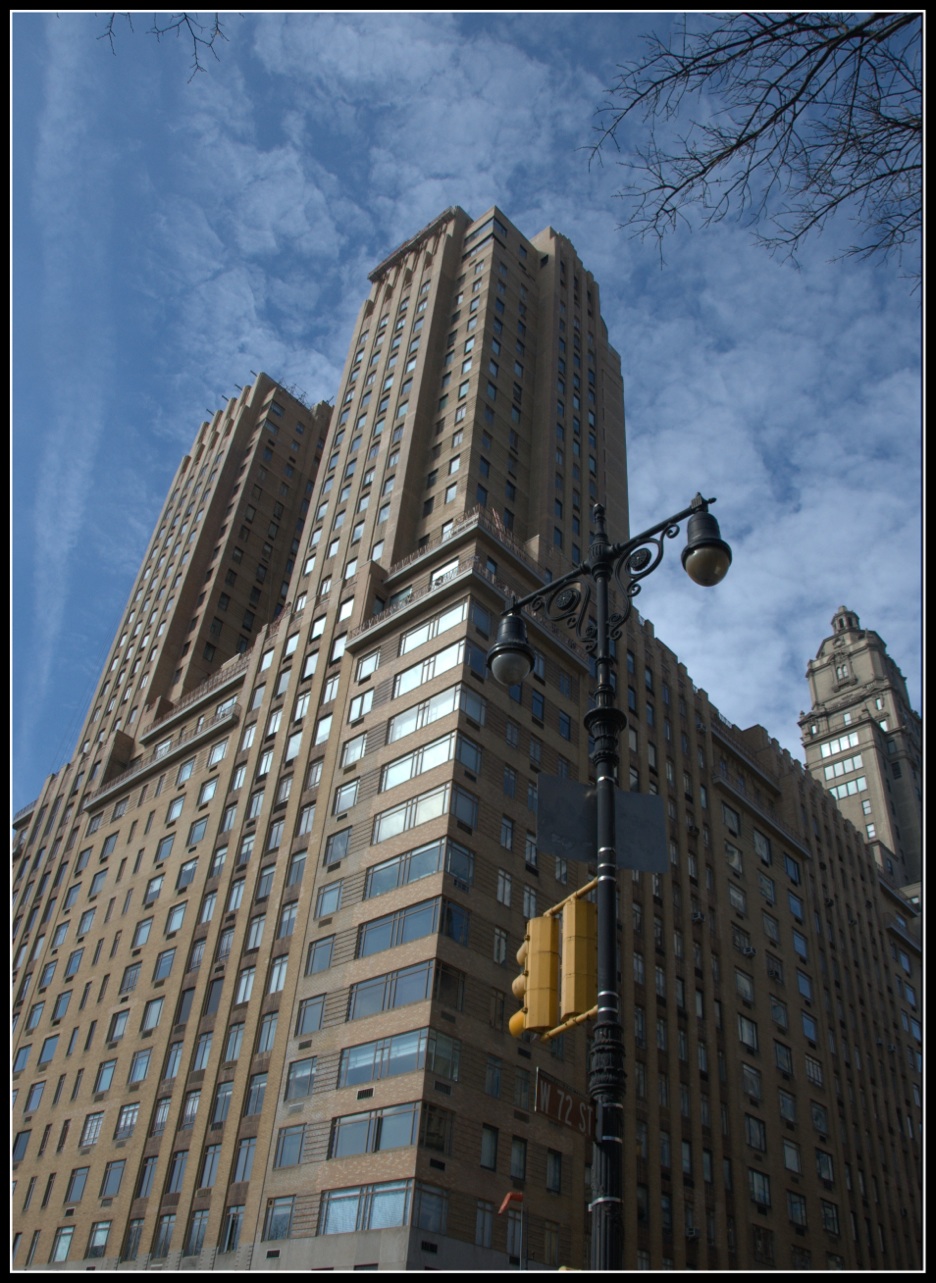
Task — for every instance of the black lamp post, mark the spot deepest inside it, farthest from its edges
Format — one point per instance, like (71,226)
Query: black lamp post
(705,558)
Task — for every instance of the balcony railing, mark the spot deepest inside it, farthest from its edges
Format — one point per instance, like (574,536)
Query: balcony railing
(231,714)
(227,672)
(467,565)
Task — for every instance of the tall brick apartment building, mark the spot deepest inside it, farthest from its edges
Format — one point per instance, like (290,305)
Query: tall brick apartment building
(265,920)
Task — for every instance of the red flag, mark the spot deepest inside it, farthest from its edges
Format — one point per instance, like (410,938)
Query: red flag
(513,1197)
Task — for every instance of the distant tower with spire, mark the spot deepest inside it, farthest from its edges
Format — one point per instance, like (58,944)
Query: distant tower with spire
(863,742)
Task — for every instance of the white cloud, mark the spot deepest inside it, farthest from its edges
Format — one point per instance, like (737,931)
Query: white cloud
(236,229)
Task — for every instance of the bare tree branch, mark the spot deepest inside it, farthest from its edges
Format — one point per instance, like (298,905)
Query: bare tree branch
(797,117)
(203,35)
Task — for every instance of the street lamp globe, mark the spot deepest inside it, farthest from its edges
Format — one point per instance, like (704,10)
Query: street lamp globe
(510,659)
(706,557)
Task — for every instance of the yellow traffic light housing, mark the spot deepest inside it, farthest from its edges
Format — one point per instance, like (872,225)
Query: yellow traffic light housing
(537,987)
(579,957)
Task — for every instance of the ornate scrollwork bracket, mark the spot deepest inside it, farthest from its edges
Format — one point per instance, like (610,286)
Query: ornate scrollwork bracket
(632,563)
(568,604)
(568,601)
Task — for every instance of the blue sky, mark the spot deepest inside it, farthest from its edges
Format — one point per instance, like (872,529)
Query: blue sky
(169,237)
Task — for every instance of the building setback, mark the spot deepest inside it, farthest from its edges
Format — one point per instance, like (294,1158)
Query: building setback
(265,920)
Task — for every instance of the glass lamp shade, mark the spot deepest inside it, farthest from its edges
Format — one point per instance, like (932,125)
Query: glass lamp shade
(510,659)
(706,557)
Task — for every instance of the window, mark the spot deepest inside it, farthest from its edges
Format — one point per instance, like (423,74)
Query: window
(296,869)
(210,1163)
(76,1184)
(300,1079)
(160,1121)
(163,1236)
(391,1203)
(336,847)
(244,1157)
(177,1166)
(233,1221)
(255,931)
(278,1220)
(820,1117)
(489,1147)
(484,1224)
(173,1060)
(153,888)
(287,921)
(755,1132)
(409,984)
(329,900)
(234,1042)
(830,1216)
(346,796)
(222,1102)
(412,923)
(400,1054)
(796,1208)
(139,1066)
(367,665)
(759,1187)
(33,1097)
(289,1146)
(151,1013)
(245,984)
(353,749)
(202,1051)
(751,1082)
(747,1033)
(186,874)
(320,955)
(492,1076)
(503,887)
(256,1092)
(61,1244)
(196,1235)
(309,1019)
(277,974)
(814,1071)
(118,1025)
(105,1075)
(791,1156)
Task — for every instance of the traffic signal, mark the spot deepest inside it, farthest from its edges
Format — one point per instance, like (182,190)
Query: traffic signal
(579,957)
(537,987)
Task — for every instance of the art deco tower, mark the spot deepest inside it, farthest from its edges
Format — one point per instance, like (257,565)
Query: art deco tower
(864,743)
(263,953)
